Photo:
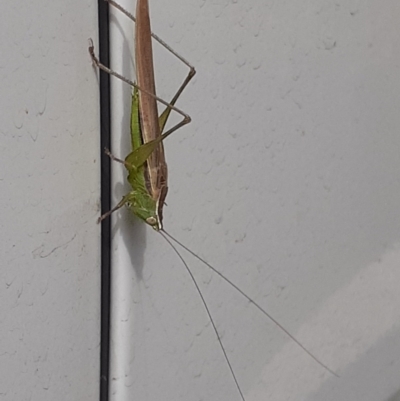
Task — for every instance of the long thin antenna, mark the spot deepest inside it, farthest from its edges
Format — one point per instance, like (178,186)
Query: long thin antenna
(253,302)
(164,233)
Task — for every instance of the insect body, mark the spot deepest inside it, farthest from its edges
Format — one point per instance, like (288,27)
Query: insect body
(146,165)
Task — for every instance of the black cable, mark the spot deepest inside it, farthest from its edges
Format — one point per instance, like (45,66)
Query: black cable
(105,193)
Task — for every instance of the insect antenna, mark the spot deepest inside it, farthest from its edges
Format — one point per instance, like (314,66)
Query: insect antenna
(269,316)
(165,236)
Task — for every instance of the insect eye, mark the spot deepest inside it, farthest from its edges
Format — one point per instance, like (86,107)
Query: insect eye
(151,220)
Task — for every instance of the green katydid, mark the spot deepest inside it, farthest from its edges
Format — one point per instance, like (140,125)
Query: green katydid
(146,166)
(146,163)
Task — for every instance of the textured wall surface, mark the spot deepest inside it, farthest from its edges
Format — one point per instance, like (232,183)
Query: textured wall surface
(287,181)
(49,193)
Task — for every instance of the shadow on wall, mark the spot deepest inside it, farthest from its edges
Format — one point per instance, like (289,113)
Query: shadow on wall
(395,397)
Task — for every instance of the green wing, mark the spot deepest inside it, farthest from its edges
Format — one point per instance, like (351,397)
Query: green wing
(141,152)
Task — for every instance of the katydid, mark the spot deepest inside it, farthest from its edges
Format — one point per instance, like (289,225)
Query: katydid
(146,166)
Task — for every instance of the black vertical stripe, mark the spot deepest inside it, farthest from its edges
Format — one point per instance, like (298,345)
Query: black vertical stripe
(105,127)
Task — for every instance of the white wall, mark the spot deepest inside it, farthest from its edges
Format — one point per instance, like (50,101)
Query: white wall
(49,195)
(288,181)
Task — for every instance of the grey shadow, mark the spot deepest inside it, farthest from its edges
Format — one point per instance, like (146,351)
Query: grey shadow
(133,231)
(395,397)
(355,382)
